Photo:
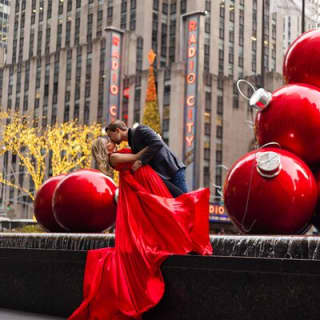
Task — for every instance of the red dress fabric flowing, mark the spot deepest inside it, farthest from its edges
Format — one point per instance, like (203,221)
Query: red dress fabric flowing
(125,281)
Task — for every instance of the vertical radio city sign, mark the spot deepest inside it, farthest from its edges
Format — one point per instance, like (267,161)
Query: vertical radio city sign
(191,56)
(113,72)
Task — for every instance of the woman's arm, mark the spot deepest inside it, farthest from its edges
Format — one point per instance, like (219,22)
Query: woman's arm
(116,158)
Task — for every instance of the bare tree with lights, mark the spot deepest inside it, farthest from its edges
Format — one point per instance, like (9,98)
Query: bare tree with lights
(64,147)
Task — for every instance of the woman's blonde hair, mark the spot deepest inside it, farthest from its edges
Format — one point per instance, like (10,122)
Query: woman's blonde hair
(100,155)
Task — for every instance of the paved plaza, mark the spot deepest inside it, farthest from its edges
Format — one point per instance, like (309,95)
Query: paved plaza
(17,315)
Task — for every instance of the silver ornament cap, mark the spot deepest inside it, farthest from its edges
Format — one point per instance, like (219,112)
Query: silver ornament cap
(260,98)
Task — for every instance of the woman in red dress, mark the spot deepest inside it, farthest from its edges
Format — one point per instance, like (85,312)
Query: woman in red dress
(125,281)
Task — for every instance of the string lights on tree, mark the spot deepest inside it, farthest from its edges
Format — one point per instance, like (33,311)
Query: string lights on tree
(62,148)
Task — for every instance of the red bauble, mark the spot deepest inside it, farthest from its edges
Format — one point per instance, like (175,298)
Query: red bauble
(270,191)
(292,119)
(302,60)
(316,217)
(84,201)
(43,205)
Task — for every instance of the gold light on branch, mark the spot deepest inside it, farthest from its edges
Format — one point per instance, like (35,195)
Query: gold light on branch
(10,184)
(64,147)
(70,146)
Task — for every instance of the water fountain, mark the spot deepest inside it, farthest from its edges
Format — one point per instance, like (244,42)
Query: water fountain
(247,276)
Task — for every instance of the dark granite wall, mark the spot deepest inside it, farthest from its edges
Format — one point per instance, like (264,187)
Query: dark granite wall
(41,281)
(239,289)
(222,288)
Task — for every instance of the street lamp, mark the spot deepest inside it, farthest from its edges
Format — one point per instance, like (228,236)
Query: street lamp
(303,17)
(219,188)
(262,47)
(222,166)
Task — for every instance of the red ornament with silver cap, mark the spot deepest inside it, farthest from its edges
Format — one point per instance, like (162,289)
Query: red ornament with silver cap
(270,191)
(290,116)
(301,63)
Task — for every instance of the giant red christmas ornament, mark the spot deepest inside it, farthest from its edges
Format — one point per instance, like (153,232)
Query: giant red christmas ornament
(84,201)
(270,191)
(291,117)
(43,205)
(302,60)
(316,218)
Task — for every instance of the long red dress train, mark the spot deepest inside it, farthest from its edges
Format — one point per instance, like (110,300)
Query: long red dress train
(125,281)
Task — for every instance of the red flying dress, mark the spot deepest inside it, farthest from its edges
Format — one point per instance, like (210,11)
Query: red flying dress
(125,281)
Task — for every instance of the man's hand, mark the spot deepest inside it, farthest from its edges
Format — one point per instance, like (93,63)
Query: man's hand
(136,165)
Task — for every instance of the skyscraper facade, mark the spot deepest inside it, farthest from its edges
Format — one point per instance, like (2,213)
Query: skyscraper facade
(4,19)
(57,70)
(291,12)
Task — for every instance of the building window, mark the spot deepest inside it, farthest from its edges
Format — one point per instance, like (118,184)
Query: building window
(165,8)
(59,35)
(133,15)
(208,102)
(206,177)
(110,12)
(89,27)
(86,113)
(231,36)
(219,132)
(156,5)
(183,7)
(166,96)
(69,5)
(220,105)
(76,111)
(66,113)
(137,99)
(173,8)
(49,9)
(231,13)
(139,61)
(60,9)
(54,114)
(207,25)
(164,40)
(39,43)
(221,29)
(207,129)
(123,6)
(219,156)
(231,55)
(208,5)
(222,11)
(25,103)
(254,64)
(68,32)
(207,154)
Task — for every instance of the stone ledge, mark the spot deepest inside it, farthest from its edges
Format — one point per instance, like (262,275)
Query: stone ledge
(288,247)
(17,315)
(50,282)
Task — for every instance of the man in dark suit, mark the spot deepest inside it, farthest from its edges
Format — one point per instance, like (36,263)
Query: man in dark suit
(158,155)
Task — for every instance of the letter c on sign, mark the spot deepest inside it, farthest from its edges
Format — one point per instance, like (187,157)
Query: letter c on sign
(113,110)
(190,101)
